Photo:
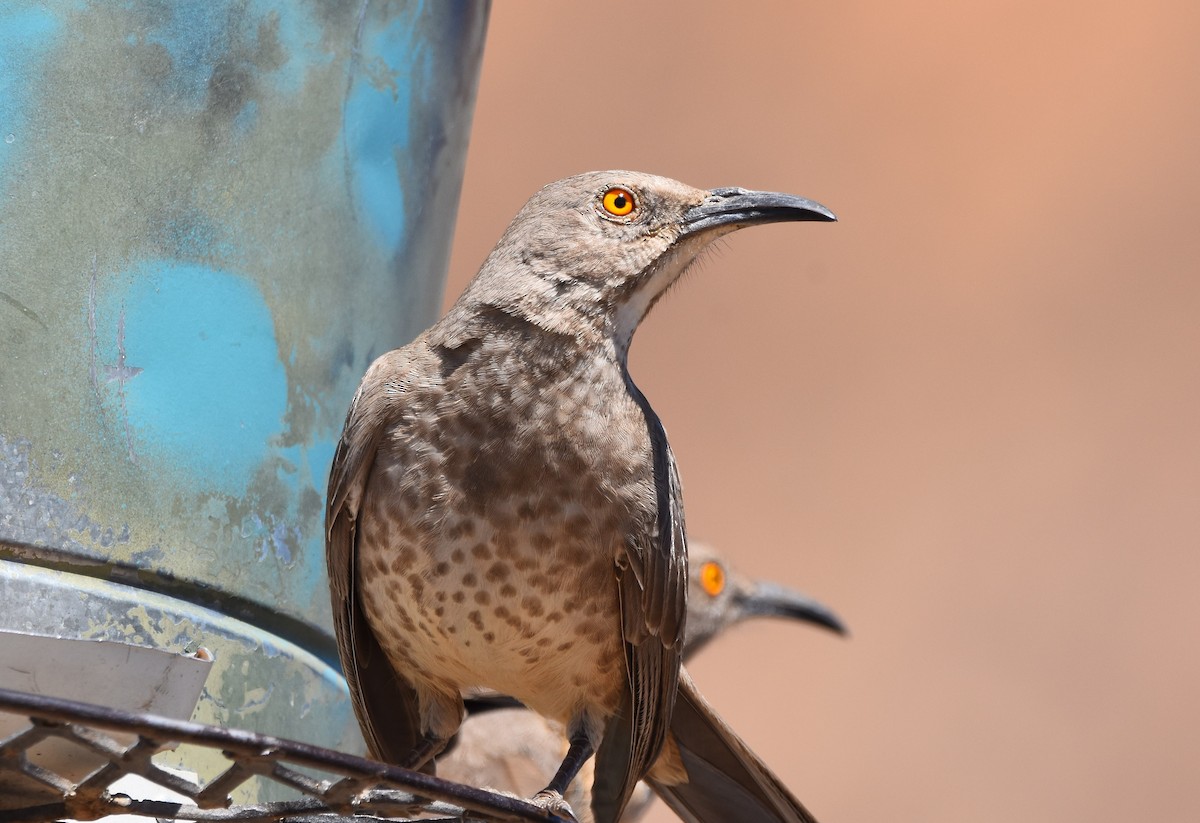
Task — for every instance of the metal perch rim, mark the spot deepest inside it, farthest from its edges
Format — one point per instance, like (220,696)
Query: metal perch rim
(360,786)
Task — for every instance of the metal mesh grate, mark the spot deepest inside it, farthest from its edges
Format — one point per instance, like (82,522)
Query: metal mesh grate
(328,785)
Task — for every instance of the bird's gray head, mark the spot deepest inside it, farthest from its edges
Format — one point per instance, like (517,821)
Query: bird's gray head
(719,598)
(592,253)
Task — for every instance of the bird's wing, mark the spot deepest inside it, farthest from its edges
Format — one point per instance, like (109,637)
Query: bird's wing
(653,593)
(386,705)
(725,779)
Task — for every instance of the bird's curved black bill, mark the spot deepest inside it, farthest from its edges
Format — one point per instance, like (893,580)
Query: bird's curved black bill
(771,600)
(737,208)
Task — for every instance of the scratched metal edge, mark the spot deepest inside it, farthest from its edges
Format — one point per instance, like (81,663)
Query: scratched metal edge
(298,632)
(258,681)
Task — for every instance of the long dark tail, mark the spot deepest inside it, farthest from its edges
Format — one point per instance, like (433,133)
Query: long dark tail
(726,781)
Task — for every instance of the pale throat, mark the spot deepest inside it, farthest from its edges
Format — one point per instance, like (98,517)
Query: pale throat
(667,269)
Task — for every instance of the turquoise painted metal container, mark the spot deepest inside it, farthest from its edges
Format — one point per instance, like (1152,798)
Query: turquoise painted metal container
(213,216)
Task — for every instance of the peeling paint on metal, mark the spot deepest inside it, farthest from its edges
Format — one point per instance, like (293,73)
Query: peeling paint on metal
(194,176)
(27,33)
(248,661)
(212,217)
(33,517)
(194,371)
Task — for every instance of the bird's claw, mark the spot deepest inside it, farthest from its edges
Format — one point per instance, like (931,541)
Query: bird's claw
(554,803)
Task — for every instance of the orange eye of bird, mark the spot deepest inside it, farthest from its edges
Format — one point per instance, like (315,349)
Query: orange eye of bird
(712,578)
(618,201)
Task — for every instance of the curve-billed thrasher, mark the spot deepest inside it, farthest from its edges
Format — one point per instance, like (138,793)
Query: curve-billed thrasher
(512,749)
(504,510)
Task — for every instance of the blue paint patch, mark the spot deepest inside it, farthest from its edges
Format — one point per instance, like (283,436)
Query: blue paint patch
(245,119)
(197,36)
(272,539)
(187,359)
(299,38)
(377,129)
(193,36)
(302,468)
(320,457)
(280,535)
(194,236)
(26,36)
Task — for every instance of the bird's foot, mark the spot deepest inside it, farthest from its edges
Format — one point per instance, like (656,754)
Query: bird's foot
(554,803)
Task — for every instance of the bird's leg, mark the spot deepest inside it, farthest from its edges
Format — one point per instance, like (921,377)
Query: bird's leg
(441,715)
(430,746)
(580,750)
(551,797)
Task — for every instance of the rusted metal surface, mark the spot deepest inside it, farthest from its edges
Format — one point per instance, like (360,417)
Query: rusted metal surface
(323,784)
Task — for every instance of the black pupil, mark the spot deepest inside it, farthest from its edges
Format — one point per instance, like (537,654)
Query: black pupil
(619,201)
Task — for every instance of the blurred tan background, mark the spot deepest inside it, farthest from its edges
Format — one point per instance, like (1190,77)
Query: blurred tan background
(967,416)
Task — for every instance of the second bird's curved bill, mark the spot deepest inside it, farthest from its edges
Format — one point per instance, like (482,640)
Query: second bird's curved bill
(772,600)
(735,208)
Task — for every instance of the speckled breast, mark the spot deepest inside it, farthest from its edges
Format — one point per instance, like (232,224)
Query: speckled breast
(491,558)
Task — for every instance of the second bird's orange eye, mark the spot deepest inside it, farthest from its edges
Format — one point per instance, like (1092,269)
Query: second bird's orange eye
(618,201)
(712,578)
